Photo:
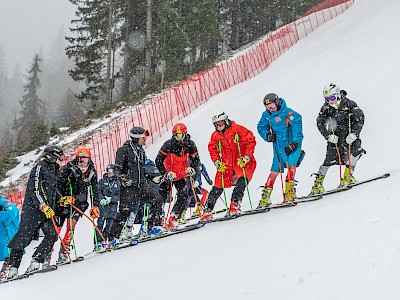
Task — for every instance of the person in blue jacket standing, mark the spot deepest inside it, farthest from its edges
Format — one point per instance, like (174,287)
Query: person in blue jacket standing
(9,222)
(283,127)
(109,189)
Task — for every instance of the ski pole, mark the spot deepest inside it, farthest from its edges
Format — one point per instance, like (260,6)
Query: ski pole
(94,225)
(59,237)
(219,148)
(236,140)
(280,171)
(71,229)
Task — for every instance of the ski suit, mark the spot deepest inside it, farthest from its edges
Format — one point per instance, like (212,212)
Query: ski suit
(9,222)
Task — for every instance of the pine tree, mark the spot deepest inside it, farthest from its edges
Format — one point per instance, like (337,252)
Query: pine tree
(87,47)
(30,119)
(70,111)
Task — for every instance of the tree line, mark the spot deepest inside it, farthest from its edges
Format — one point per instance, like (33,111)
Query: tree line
(122,50)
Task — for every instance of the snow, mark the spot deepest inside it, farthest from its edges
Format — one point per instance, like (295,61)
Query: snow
(344,246)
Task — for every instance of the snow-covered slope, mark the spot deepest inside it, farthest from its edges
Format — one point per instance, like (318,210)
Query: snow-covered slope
(341,247)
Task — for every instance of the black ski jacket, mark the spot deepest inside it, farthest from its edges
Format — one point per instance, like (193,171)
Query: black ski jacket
(75,183)
(347,110)
(131,158)
(42,185)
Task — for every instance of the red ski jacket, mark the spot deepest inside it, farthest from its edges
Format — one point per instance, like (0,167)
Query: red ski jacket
(229,140)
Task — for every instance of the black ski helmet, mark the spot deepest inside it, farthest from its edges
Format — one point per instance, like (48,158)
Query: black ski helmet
(52,153)
(111,168)
(271,98)
(137,132)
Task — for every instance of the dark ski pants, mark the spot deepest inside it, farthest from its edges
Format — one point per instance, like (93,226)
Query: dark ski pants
(31,221)
(129,199)
(182,194)
(104,229)
(237,194)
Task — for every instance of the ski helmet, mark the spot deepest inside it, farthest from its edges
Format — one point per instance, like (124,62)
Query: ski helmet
(331,92)
(82,152)
(271,98)
(220,117)
(111,168)
(179,130)
(52,153)
(138,132)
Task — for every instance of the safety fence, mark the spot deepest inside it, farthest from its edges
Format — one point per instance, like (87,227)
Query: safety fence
(159,113)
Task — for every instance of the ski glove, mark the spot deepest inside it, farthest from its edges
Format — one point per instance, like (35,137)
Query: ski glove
(67,200)
(47,210)
(332,138)
(221,167)
(190,171)
(242,161)
(271,137)
(291,147)
(157,179)
(94,212)
(195,184)
(351,138)
(169,176)
(105,201)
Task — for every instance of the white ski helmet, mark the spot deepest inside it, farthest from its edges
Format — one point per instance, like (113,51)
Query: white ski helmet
(220,117)
(331,92)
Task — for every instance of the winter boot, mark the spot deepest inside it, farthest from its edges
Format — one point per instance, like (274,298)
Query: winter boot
(290,192)
(234,208)
(318,187)
(33,266)
(182,219)
(62,255)
(265,198)
(348,178)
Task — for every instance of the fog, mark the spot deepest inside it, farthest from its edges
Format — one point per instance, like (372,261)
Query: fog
(30,26)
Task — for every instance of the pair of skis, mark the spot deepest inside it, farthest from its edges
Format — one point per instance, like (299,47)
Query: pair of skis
(298,200)
(46,269)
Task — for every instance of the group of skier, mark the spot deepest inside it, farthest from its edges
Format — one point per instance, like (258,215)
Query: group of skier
(57,194)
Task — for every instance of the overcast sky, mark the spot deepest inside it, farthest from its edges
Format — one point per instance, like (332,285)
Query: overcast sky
(29,25)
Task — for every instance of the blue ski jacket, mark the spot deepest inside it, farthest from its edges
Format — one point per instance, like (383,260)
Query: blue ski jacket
(288,126)
(9,222)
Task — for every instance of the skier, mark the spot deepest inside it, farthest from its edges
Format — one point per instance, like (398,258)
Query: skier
(231,149)
(281,126)
(79,180)
(109,192)
(9,222)
(340,122)
(173,163)
(37,211)
(130,159)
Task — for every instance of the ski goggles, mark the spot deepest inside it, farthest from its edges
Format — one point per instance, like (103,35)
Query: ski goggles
(83,159)
(179,135)
(146,133)
(219,124)
(330,98)
(270,106)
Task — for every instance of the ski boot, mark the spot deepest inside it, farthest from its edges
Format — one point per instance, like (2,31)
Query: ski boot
(265,198)
(171,223)
(290,192)
(113,243)
(156,230)
(207,216)
(182,219)
(33,266)
(348,178)
(234,209)
(128,235)
(318,187)
(8,273)
(198,211)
